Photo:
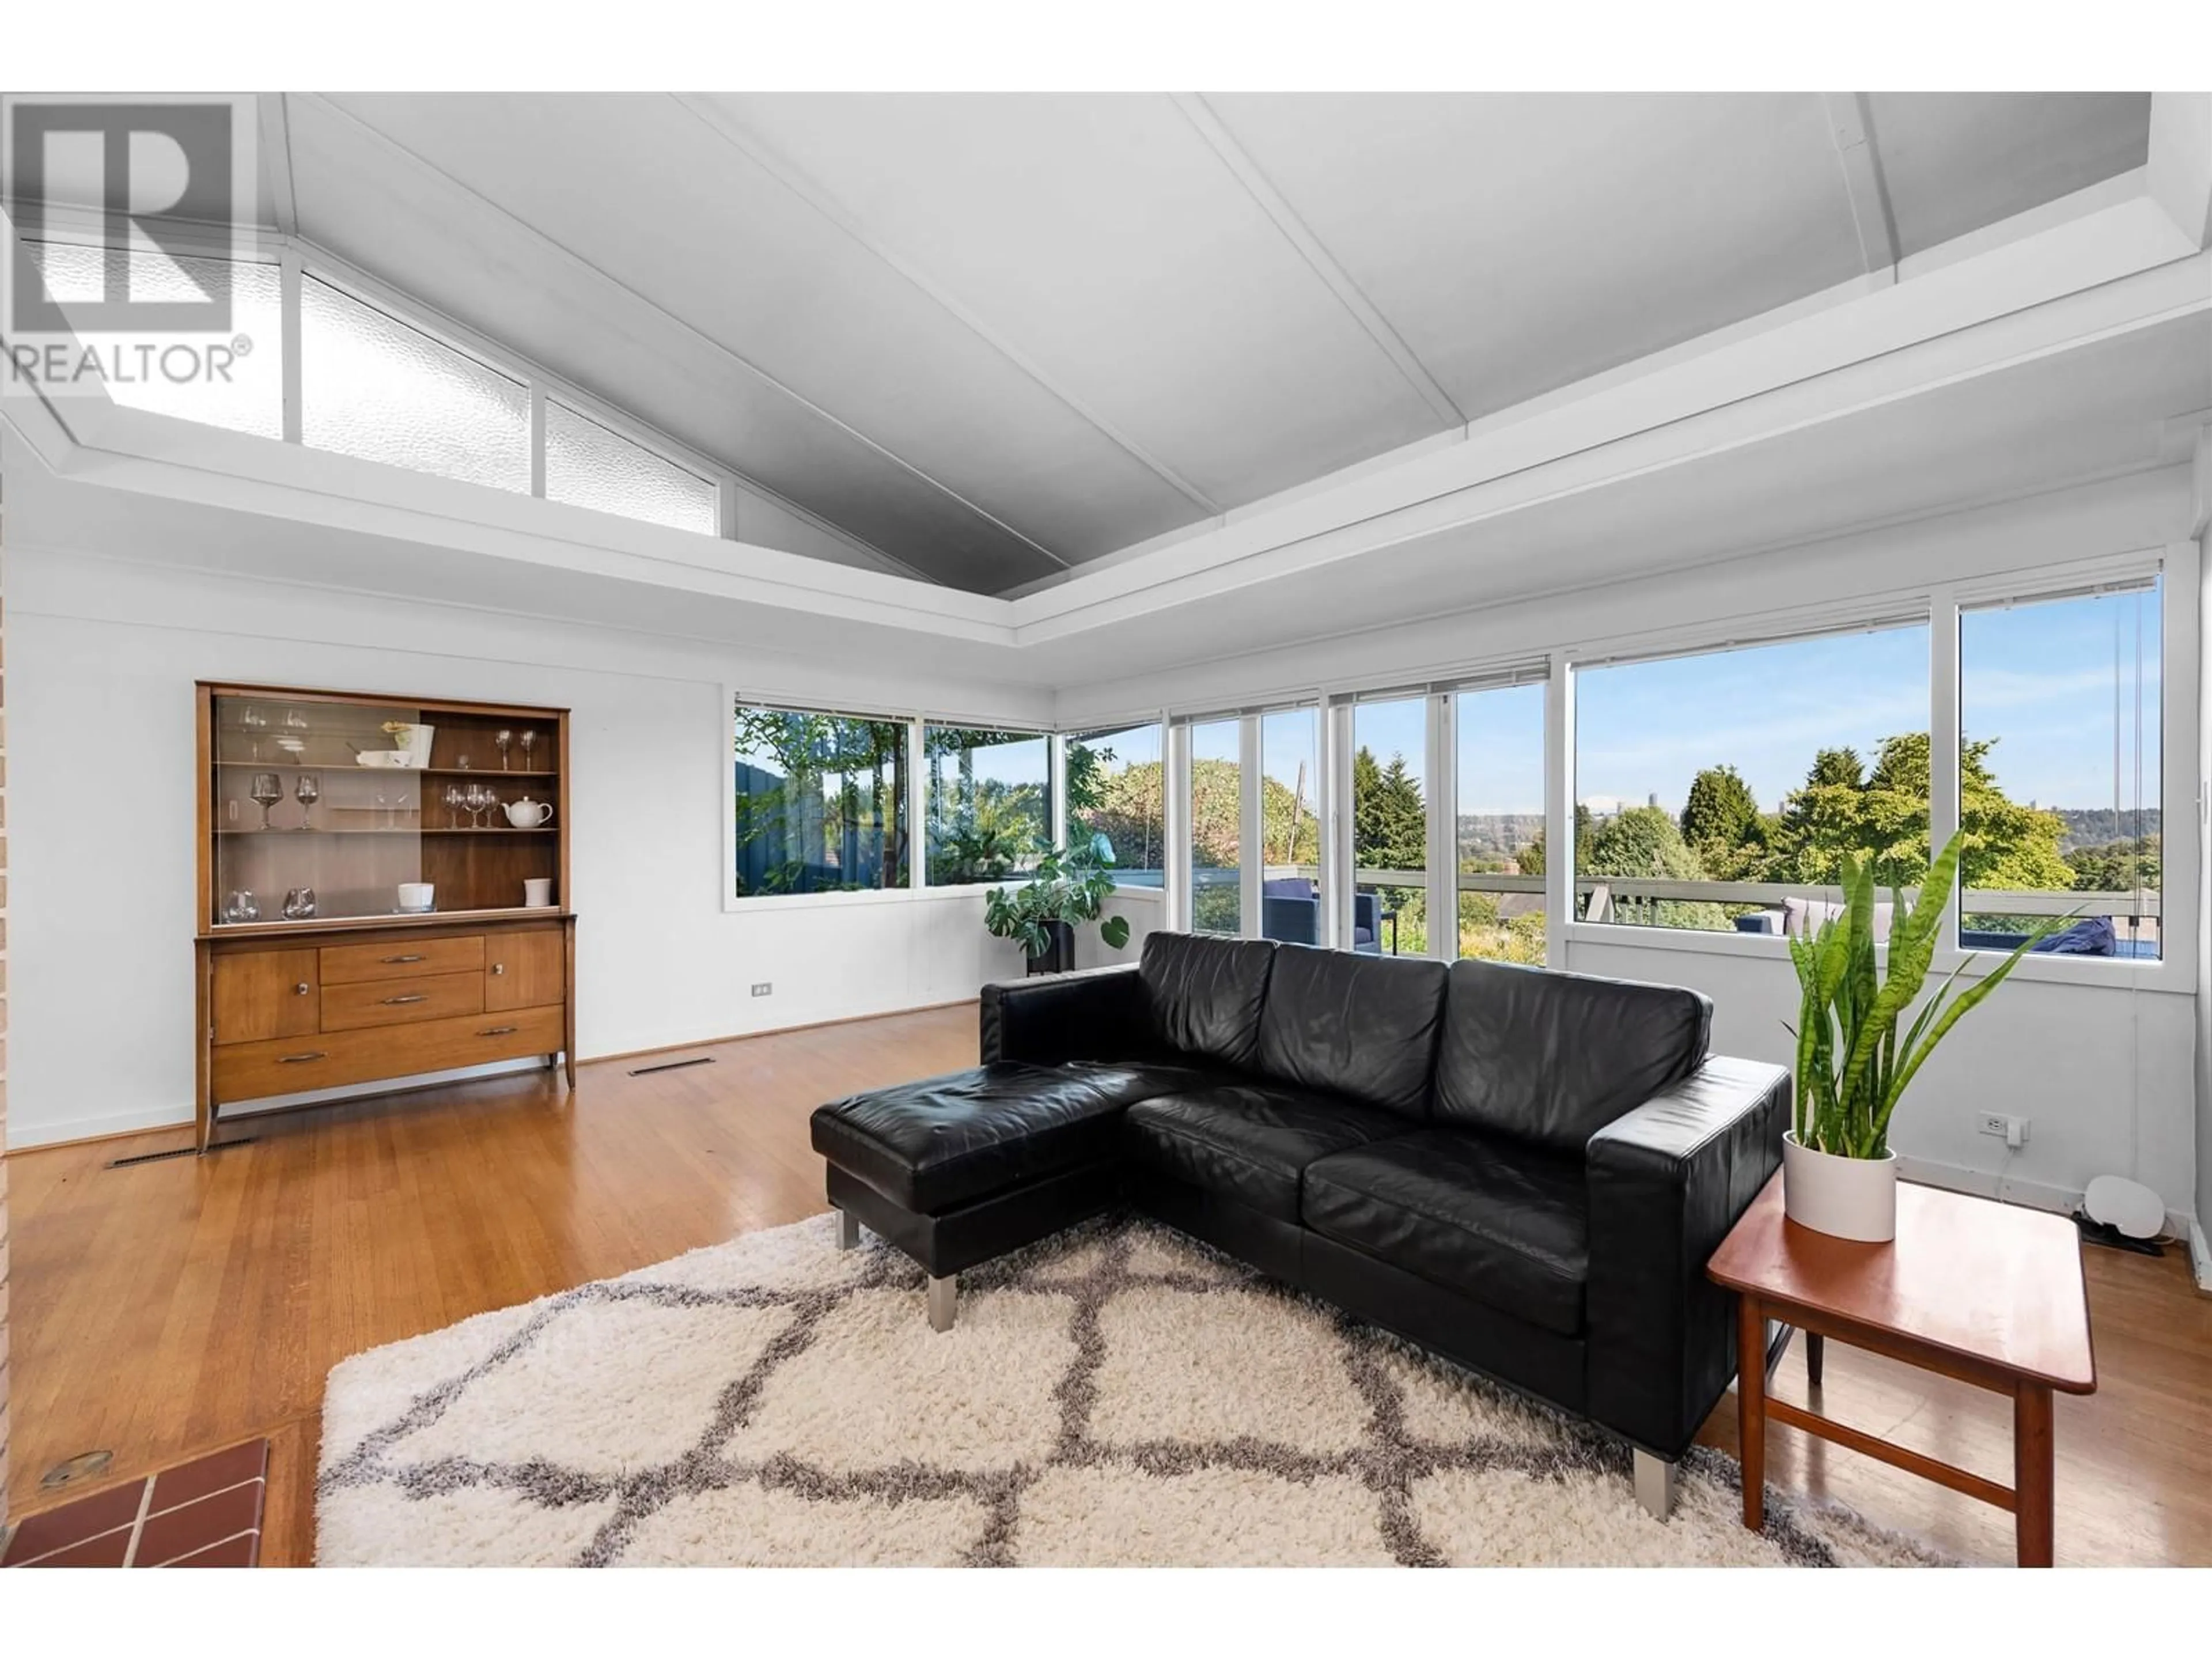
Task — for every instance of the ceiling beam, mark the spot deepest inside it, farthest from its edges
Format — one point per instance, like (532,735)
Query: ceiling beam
(276,143)
(567,255)
(1851,125)
(1300,236)
(718,122)
(2179,170)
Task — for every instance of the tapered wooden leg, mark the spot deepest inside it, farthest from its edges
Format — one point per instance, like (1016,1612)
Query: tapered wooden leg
(1751,1407)
(1816,1350)
(2032,1473)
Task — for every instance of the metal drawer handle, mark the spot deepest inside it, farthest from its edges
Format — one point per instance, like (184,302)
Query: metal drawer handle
(302,1060)
(414,996)
(301,989)
(417,957)
(499,1031)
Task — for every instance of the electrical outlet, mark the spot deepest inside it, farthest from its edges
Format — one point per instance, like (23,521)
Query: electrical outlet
(765,989)
(2013,1131)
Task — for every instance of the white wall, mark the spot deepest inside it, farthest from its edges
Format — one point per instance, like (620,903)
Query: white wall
(101,660)
(2106,1075)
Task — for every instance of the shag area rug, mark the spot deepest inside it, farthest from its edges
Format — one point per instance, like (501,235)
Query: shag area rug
(1118,1397)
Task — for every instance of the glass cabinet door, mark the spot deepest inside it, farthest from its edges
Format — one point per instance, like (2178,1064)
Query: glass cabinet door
(322,810)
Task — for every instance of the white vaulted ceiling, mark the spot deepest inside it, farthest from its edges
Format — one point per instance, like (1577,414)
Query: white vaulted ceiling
(999,336)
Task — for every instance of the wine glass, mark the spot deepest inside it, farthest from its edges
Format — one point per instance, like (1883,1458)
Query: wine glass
(478,800)
(529,743)
(253,722)
(455,799)
(399,805)
(294,720)
(267,789)
(307,791)
(499,740)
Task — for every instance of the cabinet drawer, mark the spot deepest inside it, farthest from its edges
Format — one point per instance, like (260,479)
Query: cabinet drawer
(248,1070)
(347,964)
(401,1001)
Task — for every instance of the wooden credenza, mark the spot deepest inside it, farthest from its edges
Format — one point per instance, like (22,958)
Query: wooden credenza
(295,1008)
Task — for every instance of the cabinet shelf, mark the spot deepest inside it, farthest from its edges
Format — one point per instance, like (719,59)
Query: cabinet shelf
(347,766)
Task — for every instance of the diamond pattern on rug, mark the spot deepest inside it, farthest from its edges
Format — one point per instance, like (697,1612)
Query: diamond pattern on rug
(1117,1396)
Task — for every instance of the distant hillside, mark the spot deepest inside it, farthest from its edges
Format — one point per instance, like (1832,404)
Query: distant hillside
(1498,834)
(2095,826)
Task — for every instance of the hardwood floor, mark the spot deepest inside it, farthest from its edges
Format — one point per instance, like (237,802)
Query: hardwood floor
(174,1308)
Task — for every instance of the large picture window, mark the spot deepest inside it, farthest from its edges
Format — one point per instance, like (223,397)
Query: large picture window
(1116,787)
(820,802)
(2060,773)
(1722,791)
(989,803)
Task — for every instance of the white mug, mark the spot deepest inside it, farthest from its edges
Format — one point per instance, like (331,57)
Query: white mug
(417,896)
(528,814)
(538,892)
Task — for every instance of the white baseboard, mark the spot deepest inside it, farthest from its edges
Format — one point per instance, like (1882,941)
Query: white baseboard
(1982,1183)
(22,1136)
(2200,1256)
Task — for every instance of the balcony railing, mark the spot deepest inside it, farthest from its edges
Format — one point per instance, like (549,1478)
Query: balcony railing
(1633,900)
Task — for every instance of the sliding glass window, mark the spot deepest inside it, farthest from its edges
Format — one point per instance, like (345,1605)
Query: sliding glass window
(1390,826)
(820,802)
(988,800)
(1290,825)
(1216,826)
(1116,789)
(2061,773)
(1497,830)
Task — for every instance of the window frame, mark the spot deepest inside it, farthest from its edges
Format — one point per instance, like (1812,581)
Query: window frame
(733,699)
(1060,738)
(1056,804)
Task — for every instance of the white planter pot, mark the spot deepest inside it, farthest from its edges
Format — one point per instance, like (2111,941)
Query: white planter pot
(1847,1197)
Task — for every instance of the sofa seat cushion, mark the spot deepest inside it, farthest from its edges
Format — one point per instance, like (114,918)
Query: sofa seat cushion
(945,1141)
(1249,1141)
(1503,1223)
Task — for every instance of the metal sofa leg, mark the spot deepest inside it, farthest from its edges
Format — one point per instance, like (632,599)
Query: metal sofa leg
(849,1229)
(1654,1485)
(942,1294)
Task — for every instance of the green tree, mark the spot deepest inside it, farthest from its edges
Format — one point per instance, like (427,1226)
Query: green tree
(1721,821)
(1646,842)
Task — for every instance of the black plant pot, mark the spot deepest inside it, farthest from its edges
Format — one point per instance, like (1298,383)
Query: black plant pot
(1060,949)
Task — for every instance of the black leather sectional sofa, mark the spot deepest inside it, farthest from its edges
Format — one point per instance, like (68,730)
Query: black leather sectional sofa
(1521,1169)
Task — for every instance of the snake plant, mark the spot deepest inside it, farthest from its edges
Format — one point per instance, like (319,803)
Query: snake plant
(1853,1065)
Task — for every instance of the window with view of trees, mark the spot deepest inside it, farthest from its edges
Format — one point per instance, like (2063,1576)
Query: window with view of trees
(1390,826)
(1701,779)
(1116,787)
(1498,828)
(2061,774)
(820,802)
(1216,826)
(988,801)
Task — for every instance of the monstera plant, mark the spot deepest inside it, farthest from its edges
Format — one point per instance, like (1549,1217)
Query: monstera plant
(1854,1064)
(1070,886)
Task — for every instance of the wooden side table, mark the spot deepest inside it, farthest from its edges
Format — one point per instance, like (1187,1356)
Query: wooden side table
(1986,1292)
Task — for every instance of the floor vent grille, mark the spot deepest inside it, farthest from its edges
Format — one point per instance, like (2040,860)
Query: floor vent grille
(176,1151)
(674,1065)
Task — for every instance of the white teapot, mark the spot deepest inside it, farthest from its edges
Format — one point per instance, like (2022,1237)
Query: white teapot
(528,814)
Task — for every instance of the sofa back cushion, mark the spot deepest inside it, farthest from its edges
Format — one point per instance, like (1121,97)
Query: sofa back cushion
(1357,1025)
(1204,994)
(1550,1058)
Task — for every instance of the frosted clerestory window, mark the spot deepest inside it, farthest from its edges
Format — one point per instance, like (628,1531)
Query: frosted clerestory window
(588,465)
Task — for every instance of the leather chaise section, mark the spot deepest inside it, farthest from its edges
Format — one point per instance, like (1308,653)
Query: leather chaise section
(1364,1027)
(1667,1181)
(1205,995)
(1549,1058)
(1507,1225)
(945,1141)
(1246,1141)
